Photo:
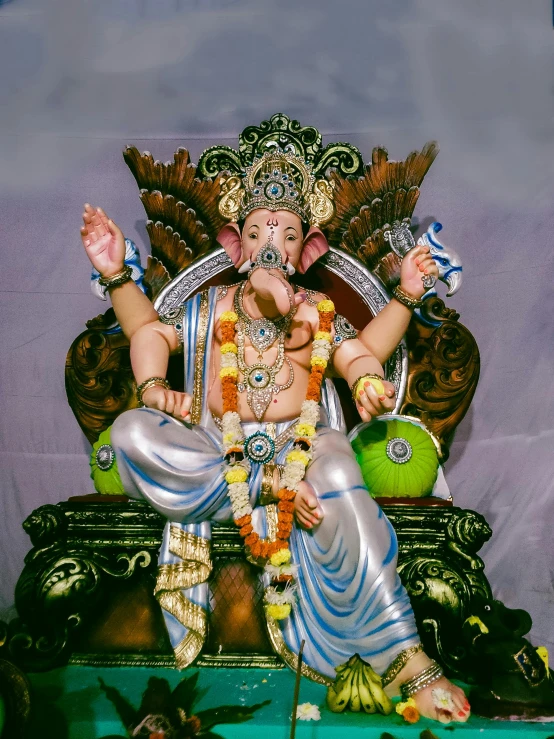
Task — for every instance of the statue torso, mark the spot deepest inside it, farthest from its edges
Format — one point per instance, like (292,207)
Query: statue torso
(298,346)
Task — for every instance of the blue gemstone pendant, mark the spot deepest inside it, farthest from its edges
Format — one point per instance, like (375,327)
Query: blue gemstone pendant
(259,447)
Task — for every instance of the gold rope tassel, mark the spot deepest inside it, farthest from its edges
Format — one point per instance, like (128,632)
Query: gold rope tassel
(193,569)
(193,617)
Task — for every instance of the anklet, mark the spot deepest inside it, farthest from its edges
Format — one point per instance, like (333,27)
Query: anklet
(399,662)
(422,680)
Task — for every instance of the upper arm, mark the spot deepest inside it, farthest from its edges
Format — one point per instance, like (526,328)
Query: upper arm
(174,322)
(149,331)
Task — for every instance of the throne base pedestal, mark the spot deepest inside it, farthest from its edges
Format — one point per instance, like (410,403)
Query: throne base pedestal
(85,594)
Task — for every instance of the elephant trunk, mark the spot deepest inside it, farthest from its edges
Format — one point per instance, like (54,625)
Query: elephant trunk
(271,286)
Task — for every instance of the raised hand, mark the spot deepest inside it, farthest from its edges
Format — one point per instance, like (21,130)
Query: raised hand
(170,401)
(369,403)
(417,263)
(103,241)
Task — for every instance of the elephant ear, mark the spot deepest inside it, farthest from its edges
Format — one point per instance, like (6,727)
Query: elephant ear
(315,246)
(229,238)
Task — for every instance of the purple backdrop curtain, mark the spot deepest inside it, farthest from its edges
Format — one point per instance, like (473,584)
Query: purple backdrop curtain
(79,81)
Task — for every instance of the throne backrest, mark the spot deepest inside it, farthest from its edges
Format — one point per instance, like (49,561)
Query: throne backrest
(435,370)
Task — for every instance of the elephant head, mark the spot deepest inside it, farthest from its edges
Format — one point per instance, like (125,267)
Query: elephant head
(448,261)
(512,676)
(278,233)
(494,623)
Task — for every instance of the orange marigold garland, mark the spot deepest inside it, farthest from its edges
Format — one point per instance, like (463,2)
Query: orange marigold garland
(275,553)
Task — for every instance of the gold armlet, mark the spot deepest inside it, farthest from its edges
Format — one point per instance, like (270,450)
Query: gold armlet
(118,279)
(407,300)
(150,382)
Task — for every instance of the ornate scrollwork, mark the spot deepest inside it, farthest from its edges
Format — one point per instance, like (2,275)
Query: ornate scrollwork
(217,160)
(57,590)
(16,693)
(99,380)
(280,131)
(444,370)
(344,158)
(434,310)
(431,579)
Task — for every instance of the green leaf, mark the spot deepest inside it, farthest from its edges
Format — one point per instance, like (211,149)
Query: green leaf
(186,694)
(125,710)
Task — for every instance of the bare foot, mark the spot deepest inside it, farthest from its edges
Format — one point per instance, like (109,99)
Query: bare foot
(441,701)
(306,508)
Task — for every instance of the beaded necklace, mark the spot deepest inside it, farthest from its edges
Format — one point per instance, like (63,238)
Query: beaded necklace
(274,554)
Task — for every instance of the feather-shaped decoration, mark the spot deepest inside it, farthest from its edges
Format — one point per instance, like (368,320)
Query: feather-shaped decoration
(168,247)
(366,206)
(182,221)
(175,198)
(156,277)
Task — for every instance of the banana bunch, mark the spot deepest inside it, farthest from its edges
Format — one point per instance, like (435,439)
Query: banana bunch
(358,687)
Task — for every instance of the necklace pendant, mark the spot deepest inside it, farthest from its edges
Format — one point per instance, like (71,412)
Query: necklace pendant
(258,401)
(262,334)
(259,447)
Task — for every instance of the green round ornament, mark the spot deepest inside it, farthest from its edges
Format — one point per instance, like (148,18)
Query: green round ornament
(397,456)
(103,466)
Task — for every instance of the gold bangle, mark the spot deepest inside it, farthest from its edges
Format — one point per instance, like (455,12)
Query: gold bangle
(150,382)
(122,276)
(365,376)
(407,300)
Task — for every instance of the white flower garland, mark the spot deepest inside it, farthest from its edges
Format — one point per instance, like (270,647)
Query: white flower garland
(237,470)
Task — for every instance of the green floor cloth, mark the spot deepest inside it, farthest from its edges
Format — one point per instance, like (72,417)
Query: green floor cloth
(68,703)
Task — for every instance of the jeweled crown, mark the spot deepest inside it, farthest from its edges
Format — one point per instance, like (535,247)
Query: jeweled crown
(279,165)
(278,181)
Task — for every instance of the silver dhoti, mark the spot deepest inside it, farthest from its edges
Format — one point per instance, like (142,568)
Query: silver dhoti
(350,598)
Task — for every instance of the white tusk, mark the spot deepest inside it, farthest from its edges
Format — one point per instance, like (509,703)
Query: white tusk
(290,269)
(246,267)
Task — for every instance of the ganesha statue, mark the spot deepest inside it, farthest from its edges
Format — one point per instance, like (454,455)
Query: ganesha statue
(258,438)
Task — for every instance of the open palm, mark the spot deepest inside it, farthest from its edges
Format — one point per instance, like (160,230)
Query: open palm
(103,241)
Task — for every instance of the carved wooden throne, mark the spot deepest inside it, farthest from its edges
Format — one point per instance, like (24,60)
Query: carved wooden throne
(86,590)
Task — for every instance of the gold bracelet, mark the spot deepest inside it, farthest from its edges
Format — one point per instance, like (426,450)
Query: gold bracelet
(407,300)
(122,276)
(150,382)
(364,377)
